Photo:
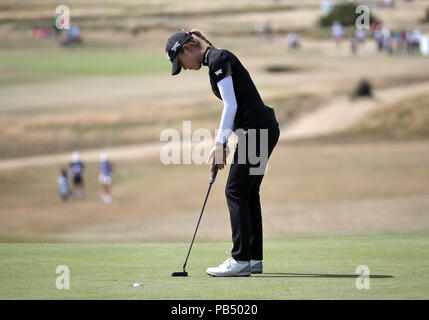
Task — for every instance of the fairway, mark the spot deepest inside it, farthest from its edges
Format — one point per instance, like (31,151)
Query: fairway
(294,268)
(57,64)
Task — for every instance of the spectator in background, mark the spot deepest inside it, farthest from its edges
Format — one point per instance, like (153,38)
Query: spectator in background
(416,38)
(378,38)
(375,26)
(387,40)
(76,168)
(39,33)
(353,45)
(259,31)
(389,3)
(397,37)
(292,40)
(264,31)
(105,177)
(360,35)
(404,41)
(73,36)
(268,31)
(63,185)
(337,32)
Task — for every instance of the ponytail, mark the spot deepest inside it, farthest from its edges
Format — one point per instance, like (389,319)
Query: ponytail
(201,36)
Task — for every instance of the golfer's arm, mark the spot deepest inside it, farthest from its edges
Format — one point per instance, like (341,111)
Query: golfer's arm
(226,89)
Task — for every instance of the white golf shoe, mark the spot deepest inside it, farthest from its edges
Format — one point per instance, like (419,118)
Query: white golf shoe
(231,268)
(256,266)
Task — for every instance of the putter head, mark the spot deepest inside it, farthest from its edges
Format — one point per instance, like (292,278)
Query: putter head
(179,274)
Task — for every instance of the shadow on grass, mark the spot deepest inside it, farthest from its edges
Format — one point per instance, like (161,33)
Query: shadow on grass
(316,275)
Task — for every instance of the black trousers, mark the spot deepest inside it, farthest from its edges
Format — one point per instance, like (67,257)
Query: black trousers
(242,195)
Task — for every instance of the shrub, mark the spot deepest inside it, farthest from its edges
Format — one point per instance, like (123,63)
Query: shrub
(363,89)
(345,13)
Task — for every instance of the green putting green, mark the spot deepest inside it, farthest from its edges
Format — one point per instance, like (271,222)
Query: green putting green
(294,268)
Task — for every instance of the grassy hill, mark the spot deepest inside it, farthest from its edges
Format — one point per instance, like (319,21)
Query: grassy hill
(404,119)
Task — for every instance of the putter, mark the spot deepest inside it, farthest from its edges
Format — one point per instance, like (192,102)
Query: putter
(212,179)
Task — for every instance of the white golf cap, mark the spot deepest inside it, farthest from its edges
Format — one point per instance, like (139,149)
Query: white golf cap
(103,157)
(75,156)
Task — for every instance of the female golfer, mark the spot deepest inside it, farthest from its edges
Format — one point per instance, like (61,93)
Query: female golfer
(243,109)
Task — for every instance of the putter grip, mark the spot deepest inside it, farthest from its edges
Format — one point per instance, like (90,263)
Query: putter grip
(214,174)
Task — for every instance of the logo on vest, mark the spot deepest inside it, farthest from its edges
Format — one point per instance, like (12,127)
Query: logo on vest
(218,72)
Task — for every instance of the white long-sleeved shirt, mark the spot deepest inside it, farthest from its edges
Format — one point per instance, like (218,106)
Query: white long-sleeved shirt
(226,89)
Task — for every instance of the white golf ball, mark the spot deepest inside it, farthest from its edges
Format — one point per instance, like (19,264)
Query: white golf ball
(136,285)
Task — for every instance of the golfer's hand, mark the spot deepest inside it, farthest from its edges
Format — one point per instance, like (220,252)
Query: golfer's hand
(218,156)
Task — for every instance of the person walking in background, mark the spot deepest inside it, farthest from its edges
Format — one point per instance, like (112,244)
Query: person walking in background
(76,168)
(337,32)
(397,44)
(292,40)
(416,38)
(105,177)
(360,36)
(63,185)
(353,45)
(387,40)
(378,38)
